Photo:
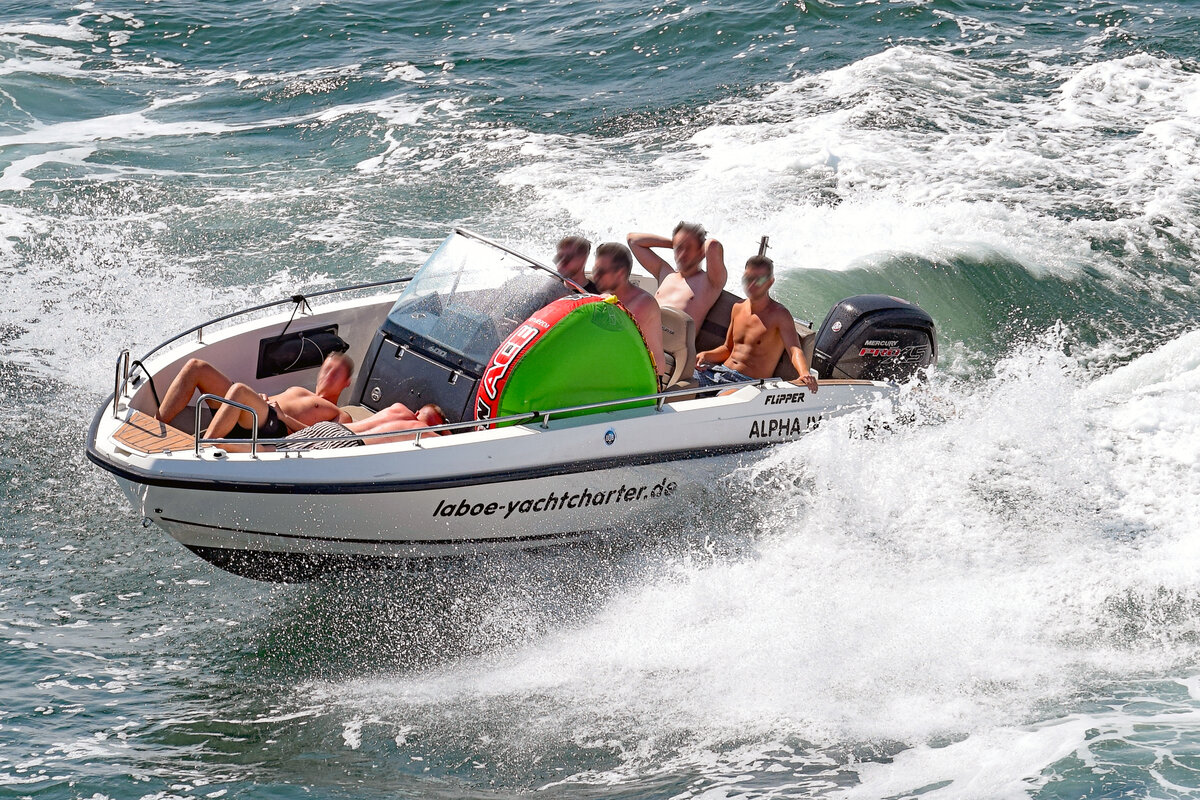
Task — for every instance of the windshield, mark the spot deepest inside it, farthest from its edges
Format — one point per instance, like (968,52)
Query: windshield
(470,295)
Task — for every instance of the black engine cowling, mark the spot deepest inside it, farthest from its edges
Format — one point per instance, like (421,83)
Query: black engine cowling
(875,337)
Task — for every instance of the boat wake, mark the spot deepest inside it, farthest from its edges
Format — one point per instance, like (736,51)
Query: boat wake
(935,603)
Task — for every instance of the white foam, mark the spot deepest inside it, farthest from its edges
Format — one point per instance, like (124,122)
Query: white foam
(130,126)
(955,580)
(1134,91)
(907,150)
(403,71)
(14,178)
(84,287)
(1146,418)
(1009,762)
(145,123)
(72,31)
(1004,763)
(16,225)
(393,111)
(64,68)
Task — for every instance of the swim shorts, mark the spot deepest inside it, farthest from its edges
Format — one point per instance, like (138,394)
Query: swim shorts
(714,376)
(272,428)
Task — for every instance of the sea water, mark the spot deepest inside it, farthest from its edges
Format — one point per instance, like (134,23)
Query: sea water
(990,590)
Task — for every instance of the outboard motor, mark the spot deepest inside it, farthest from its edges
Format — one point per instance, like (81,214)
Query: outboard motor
(875,337)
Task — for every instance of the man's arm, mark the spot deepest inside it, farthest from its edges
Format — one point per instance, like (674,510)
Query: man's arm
(791,342)
(714,264)
(720,354)
(640,244)
(333,412)
(291,407)
(289,422)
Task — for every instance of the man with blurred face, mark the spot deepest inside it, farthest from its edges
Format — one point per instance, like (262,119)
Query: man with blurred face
(290,410)
(760,330)
(570,260)
(611,271)
(686,286)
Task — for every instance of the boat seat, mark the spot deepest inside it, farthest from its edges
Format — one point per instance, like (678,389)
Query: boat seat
(679,345)
(644,282)
(357,412)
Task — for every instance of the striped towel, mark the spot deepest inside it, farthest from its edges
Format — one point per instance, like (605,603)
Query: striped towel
(346,437)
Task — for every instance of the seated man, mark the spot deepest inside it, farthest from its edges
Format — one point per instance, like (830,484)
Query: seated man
(290,410)
(611,272)
(760,329)
(396,418)
(571,258)
(691,289)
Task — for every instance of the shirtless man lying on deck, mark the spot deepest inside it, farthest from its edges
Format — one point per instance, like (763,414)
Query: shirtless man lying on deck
(396,419)
(290,410)
(690,289)
(760,329)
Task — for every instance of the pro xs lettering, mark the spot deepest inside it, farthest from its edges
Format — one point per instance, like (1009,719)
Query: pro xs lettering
(915,353)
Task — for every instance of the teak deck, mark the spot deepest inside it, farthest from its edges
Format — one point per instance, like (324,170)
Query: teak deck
(145,434)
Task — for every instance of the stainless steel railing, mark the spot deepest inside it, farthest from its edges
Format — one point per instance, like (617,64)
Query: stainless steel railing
(659,399)
(121,380)
(218,399)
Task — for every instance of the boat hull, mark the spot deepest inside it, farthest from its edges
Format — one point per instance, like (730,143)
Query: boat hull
(298,534)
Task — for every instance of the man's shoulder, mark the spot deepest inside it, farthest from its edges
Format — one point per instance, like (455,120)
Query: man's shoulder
(780,314)
(640,296)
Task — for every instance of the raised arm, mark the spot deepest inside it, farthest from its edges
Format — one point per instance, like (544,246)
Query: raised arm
(795,351)
(714,264)
(640,244)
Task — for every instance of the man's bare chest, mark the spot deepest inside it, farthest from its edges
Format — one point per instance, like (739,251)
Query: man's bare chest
(751,330)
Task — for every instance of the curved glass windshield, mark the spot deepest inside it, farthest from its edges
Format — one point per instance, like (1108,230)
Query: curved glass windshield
(471,294)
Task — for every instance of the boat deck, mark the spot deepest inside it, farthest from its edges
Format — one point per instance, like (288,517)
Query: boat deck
(145,434)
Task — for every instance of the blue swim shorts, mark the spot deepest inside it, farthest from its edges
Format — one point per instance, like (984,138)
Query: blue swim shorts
(714,376)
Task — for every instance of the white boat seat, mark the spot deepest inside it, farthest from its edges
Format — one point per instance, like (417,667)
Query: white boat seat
(357,412)
(679,345)
(644,282)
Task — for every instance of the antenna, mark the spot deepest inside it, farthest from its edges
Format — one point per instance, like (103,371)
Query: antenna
(762,246)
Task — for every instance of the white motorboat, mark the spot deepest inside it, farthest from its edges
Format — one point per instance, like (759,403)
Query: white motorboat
(546,475)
